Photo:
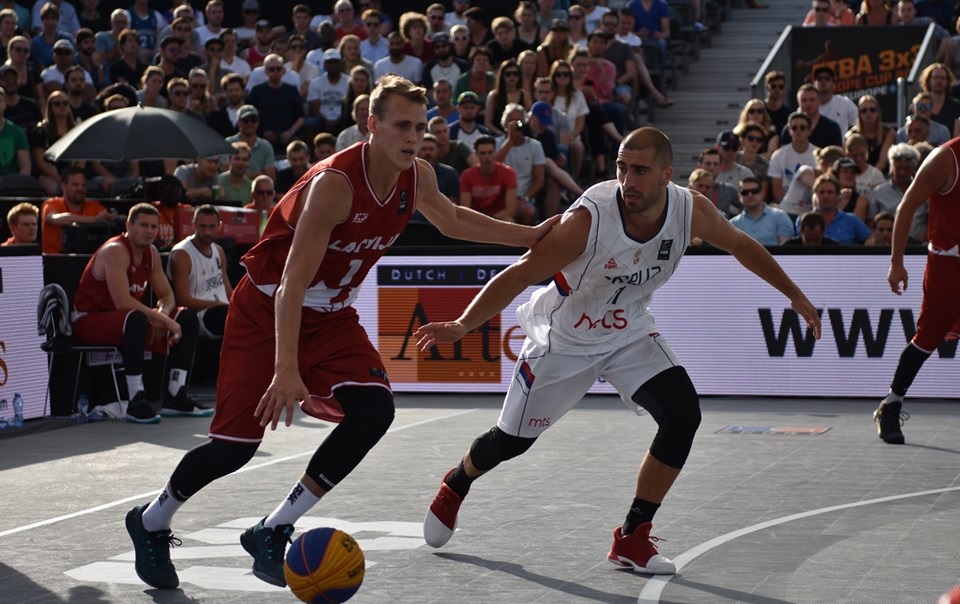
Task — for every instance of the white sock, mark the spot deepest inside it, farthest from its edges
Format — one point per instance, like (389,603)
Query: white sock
(134,384)
(178,379)
(297,503)
(159,514)
(893,397)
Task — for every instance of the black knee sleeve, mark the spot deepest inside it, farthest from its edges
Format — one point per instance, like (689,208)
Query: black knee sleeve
(495,446)
(208,462)
(368,413)
(672,401)
(131,347)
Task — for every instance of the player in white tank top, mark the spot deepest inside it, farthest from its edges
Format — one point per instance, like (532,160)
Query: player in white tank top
(613,248)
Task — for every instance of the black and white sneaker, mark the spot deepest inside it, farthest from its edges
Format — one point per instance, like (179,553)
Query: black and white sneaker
(889,418)
(182,405)
(140,411)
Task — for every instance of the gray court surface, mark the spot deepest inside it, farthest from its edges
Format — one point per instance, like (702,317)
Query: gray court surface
(816,510)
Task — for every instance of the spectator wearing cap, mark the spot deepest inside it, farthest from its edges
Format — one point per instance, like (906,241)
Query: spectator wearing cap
(442,93)
(374,47)
(260,48)
(261,150)
(769,226)
(345,18)
(16,156)
(478,26)
(21,110)
(505,45)
(213,67)
(556,46)
(68,21)
(326,94)
(42,44)
(834,106)
(54,76)
(467,128)
(851,201)
(214,14)
(249,14)
(436,20)
(398,61)
(539,121)
(170,50)
(548,13)
(279,103)
(444,66)
(730,171)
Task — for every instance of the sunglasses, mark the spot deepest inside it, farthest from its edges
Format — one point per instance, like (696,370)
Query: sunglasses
(59,103)
(749,191)
(796,127)
(756,110)
(174,50)
(274,69)
(574,18)
(754,139)
(263,192)
(62,51)
(924,106)
(250,119)
(822,9)
(869,109)
(179,92)
(511,74)
(562,74)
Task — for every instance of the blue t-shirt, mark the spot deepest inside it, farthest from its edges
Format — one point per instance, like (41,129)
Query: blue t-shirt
(845,228)
(767,229)
(649,19)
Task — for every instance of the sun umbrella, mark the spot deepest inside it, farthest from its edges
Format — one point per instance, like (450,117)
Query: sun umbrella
(139,133)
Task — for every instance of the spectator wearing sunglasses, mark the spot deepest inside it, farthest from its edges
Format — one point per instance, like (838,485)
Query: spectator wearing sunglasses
(769,226)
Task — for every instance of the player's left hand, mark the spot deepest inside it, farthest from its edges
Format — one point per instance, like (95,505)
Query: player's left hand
(286,390)
(537,232)
(806,309)
(431,334)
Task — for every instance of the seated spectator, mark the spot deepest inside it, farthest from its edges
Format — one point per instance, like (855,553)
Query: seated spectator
(398,62)
(171,49)
(92,64)
(261,151)
(297,63)
(200,100)
(507,91)
(357,132)
(922,107)
(58,120)
(823,131)
(442,94)
(413,28)
(881,229)
(529,30)
(171,197)
(197,270)
(466,128)
(108,41)
(752,137)
(254,54)
(279,105)
(555,46)
(437,16)
(448,181)
(729,170)
(455,154)
(556,179)
(199,178)
(568,142)
(525,155)
(878,136)
(445,66)
(298,162)
(812,227)
(360,83)
(904,161)
(151,86)
(41,46)
(326,94)
(78,93)
(324,145)
(479,78)
(846,171)
(349,48)
(788,158)
(875,12)
(18,57)
(263,195)
(225,119)
(234,183)
(109,309)
(345,15)
(907,14)
(505,46)
(490,187)
(841,109)
(374,46)
(799,197)
(857,149)
(842,226)
(722,194)
(755,111)
(178,95)
(73,207)
(54,76)
(14,148)
(22,220)
(21,110)
(128,67)
(769,226)
(230,61)
(831,12)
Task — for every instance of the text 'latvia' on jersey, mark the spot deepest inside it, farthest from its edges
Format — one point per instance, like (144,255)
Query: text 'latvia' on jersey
(598,303)
(356,244)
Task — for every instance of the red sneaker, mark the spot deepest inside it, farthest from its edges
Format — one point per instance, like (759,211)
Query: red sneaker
(637,550)
(441,519)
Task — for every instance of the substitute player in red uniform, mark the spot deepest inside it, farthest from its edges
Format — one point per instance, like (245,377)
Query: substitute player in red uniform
(296,303)
(940,308)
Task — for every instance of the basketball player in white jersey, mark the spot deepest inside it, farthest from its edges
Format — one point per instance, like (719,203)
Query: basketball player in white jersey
(198,271)
(618,243)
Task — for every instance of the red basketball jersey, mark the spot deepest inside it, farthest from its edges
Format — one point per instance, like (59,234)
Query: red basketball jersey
(92,293)
(943,223)
(355,244)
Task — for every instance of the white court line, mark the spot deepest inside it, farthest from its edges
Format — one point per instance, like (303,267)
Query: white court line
(657,583)
(141,496)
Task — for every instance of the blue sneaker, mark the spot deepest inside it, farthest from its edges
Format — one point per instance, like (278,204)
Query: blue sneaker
(152,551)
(267,546)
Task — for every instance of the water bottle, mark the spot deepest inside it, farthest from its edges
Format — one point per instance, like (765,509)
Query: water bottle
(17,410)
(3,413)
(83,409)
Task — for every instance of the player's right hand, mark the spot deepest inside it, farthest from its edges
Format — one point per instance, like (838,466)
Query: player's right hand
(286,390)
(896,276)
(431,334)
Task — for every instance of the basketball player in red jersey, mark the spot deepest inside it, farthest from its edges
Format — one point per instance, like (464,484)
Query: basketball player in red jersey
(296,303)
(939,310)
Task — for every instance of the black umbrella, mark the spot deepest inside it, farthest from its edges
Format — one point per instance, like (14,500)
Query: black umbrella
(139,133)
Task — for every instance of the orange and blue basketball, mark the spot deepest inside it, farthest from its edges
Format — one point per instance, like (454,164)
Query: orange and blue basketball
(324,565)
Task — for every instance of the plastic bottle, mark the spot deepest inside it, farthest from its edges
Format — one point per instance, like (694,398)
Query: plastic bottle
(215,192)
(83,408)
(3,409)
(17,410)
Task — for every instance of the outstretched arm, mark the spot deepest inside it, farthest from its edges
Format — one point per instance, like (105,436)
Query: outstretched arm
(712,227)
(557,249)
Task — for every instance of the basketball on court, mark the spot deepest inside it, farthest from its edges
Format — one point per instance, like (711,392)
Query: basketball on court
(324,565)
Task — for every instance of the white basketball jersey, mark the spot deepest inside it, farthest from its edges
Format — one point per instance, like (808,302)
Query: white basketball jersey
(206,277)
(598,303)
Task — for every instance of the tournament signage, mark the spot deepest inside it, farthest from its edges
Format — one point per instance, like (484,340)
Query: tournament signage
(735,334)
(866,60)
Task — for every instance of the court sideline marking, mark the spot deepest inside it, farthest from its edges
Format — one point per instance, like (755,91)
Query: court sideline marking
(139,496)
(657,583)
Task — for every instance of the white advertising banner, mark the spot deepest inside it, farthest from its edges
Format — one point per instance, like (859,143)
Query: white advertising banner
(735,334)
(23,365)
